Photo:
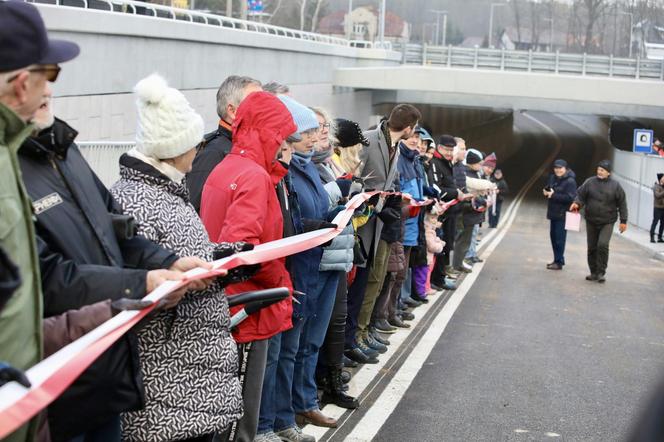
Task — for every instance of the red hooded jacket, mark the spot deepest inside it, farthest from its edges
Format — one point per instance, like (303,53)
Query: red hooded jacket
(239,203)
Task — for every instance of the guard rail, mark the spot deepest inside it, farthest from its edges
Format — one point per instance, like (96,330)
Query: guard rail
(529,61)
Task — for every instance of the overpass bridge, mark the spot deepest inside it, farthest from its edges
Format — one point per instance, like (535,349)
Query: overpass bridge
(550,82)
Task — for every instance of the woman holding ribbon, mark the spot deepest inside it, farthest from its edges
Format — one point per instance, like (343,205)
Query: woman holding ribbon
(188,357)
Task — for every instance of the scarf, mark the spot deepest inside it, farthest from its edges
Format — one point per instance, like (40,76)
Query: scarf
(171,172)
(302,159)
(406,167)
(321,156)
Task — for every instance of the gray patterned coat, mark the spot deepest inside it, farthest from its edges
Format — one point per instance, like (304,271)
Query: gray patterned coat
(188,356)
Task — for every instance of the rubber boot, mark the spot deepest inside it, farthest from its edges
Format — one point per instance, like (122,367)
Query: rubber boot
(334,393)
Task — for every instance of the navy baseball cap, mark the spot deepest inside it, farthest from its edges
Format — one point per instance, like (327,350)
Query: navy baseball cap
(560,163)
(24,40)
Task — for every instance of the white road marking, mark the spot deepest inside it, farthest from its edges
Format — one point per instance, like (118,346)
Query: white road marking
(367,428)
(371,423)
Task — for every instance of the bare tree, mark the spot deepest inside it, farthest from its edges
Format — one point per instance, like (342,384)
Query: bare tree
(594,10)
(534,24)
(303,9)
(275,11)
(314,19)
(517,18)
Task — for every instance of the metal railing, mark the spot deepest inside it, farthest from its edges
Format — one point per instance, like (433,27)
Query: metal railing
(103,157)
(529,61)
(193,16)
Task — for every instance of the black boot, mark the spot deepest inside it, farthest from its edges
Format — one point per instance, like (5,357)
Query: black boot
(660,239)
(652,237)
(335,394)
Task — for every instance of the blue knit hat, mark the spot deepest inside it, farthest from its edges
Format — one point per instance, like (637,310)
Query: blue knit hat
(304,118)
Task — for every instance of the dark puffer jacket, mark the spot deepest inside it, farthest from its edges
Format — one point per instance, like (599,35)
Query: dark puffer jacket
(564,192)
(188,356)
(82,262)
(604,201)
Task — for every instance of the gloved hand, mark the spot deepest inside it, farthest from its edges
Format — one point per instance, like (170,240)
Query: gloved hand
(309,225)
(344,186)
(9,373)
(123,304)
(373,200)
(622,227)
(225,249)
(238,274)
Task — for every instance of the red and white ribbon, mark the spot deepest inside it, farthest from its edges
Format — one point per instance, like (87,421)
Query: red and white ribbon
(51,377)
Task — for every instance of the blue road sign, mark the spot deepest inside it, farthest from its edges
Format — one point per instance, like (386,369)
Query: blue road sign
(643,139)
(255,5)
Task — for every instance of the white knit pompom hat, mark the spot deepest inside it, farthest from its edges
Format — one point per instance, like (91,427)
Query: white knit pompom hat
(167,125)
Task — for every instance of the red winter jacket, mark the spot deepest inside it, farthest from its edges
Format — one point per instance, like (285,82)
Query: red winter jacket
(239,203)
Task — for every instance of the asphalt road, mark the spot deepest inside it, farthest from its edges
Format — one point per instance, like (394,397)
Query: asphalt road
(533,354)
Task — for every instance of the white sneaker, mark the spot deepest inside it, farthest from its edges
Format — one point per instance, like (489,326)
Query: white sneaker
(294,434)
(267,437)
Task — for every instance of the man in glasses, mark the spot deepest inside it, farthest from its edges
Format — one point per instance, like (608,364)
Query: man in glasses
(28,61)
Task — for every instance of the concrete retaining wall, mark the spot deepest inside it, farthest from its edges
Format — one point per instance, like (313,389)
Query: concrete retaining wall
(93,92)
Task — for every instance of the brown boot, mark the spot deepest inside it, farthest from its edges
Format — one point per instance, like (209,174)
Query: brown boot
(315,417)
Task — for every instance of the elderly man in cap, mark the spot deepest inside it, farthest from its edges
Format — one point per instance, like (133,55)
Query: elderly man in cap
(28,62)
(604,200)
(560,191)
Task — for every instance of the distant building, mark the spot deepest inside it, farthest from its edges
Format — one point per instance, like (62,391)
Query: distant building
(648,40)
(363,25)
(510,39)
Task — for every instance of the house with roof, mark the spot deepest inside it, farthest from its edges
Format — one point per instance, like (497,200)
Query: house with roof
(362,24)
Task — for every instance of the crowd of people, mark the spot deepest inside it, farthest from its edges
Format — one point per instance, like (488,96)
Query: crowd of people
(75,253)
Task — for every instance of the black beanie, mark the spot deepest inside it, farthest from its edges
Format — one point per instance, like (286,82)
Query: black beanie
(349,133)
(472,157)
(447,141)
(605,164)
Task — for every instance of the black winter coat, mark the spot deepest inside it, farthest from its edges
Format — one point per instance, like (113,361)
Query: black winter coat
(604,201)
(471,217)
(564,192)
(82,262)
(441,178)
(216,146)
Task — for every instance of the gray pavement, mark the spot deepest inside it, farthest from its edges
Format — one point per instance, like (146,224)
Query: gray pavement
(533,354)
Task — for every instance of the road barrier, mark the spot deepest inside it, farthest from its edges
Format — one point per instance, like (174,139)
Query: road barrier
(558,63)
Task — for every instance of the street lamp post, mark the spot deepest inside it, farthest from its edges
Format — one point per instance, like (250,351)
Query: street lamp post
(550,33)
(437,35)
(381,24)
(349,20)
(631,29)
(493,5)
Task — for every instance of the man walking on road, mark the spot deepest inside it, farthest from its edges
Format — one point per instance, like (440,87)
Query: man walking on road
(561,192)
(605,201)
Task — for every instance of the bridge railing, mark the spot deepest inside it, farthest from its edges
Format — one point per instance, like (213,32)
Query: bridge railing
(637,173)
(529,61)
(103,157)
(204,18)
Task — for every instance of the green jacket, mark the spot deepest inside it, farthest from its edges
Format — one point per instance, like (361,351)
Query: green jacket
(20,319)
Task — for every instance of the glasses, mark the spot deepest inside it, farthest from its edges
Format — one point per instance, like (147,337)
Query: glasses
(324,126)
(52,73)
